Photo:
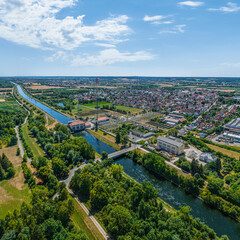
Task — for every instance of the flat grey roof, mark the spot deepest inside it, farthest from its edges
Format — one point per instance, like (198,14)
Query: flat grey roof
(235,123)
(170,141)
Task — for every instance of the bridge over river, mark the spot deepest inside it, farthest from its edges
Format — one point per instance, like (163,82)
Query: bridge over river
(121,152)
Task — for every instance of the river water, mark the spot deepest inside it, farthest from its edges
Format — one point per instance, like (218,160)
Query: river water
(174,196)
(98,145)
(168,192)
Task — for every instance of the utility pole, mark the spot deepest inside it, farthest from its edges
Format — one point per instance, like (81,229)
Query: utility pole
(96,122)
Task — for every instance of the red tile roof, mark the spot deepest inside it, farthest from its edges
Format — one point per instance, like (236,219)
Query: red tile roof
(77,122)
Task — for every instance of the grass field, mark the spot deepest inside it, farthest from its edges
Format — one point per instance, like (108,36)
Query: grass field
(11,106)
(91,108)
(224,151)
(14,191)
(36,150)
(129,109)
(44,87)
(82,221)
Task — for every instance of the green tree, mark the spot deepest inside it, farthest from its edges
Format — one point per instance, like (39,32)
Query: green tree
(104,155)
(116,171)
(215,185)
(119,221)
(59,168)
(18,152)
(98,197)
(118,138)
(124,140)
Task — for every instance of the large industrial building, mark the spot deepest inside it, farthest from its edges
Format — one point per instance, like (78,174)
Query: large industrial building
(171,144)
(232,130)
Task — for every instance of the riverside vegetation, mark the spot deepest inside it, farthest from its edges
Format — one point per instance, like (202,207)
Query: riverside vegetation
(132,211)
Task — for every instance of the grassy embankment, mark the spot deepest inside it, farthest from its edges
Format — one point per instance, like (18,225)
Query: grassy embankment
(13,191)
(82,221)
(31,142)
(108,139)
(168,207)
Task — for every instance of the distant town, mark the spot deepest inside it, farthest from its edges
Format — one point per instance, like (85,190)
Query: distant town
(67,131)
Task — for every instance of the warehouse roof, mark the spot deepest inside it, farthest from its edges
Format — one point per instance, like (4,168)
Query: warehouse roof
(172,141)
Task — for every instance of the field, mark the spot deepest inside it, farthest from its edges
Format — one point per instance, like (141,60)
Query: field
(42,87)
(14,191)
(224,151)
(82,221)
(129,109)
(10,106)
(36,150)
(90,109)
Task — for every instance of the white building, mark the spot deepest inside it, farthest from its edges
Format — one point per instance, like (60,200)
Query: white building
(207,157)
(171,144)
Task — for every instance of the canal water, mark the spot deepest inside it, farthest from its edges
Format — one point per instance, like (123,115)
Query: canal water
(98,145)
(58,116)
(174,196)
(168,192)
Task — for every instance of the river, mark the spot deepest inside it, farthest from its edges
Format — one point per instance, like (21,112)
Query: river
(168,192)
(98,145)
(174,196)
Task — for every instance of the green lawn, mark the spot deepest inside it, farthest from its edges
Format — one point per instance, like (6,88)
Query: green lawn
(10,106)
(36,150)
(93,105)
(13,193)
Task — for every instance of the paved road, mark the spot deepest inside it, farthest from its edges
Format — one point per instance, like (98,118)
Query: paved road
(93,219)
(17,133)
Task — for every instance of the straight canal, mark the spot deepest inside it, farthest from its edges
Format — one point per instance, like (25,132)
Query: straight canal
(168,192)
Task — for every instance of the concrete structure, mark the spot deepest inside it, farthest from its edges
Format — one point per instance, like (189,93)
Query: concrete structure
(76,126)
(174,118)
(102,120)
(171,144)
(232,130)
(233,126)
(207,157)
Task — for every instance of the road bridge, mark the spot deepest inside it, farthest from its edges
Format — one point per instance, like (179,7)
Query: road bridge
(121,152)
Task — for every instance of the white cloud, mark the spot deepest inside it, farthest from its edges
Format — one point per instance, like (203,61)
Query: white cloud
(158,19)
(35,24)
(231,7)
(176,29)
(191,3)
(111,56)
(231,64)
(106,45)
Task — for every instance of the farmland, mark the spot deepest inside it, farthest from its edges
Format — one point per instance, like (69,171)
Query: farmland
(224,151)
(42,87)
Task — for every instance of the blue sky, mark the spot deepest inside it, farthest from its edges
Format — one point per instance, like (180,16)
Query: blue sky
(119,37)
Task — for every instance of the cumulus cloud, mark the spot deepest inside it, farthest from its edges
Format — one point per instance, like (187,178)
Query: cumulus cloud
(231,7)
(35,24)
(158,19)
(111,56)
(176,29)
(191,3)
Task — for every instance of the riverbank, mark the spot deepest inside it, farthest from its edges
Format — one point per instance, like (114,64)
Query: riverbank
(108,139)
(44,103)
(176,197)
